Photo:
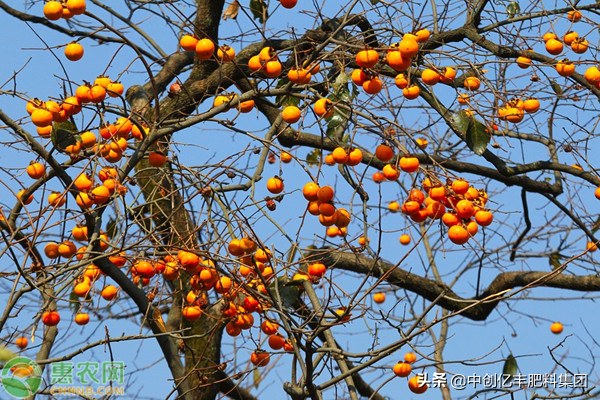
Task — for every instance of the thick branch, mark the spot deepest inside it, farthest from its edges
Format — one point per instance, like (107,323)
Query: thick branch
(477,308)
(232,390)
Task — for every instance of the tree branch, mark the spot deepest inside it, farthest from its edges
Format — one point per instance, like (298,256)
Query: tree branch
(72,33)
(476,308)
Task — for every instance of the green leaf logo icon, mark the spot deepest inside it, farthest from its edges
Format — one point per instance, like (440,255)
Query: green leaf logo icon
(21,377)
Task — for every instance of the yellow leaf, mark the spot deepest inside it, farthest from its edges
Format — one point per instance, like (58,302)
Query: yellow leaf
(6,355)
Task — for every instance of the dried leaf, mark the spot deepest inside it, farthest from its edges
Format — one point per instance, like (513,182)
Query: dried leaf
(232,10)
(159,320)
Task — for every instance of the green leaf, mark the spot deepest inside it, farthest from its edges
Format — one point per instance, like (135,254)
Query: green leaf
(289,293)
(556,88)
(289,101)
(334,131)
(335,120)
(345,139)
(74,304)
(337,123)
(281,83)
(355,91)
(554,261)
(596,225)
(510,366)
(477,137)
(462,122)
(374,2)
(255,377)
(341,91)
(111,228)
(259,10)
(313,158)
(285,100)
(474,131)
(64,134)
(513,9)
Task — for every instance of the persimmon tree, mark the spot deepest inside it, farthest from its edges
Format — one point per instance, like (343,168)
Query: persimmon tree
(317,199)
